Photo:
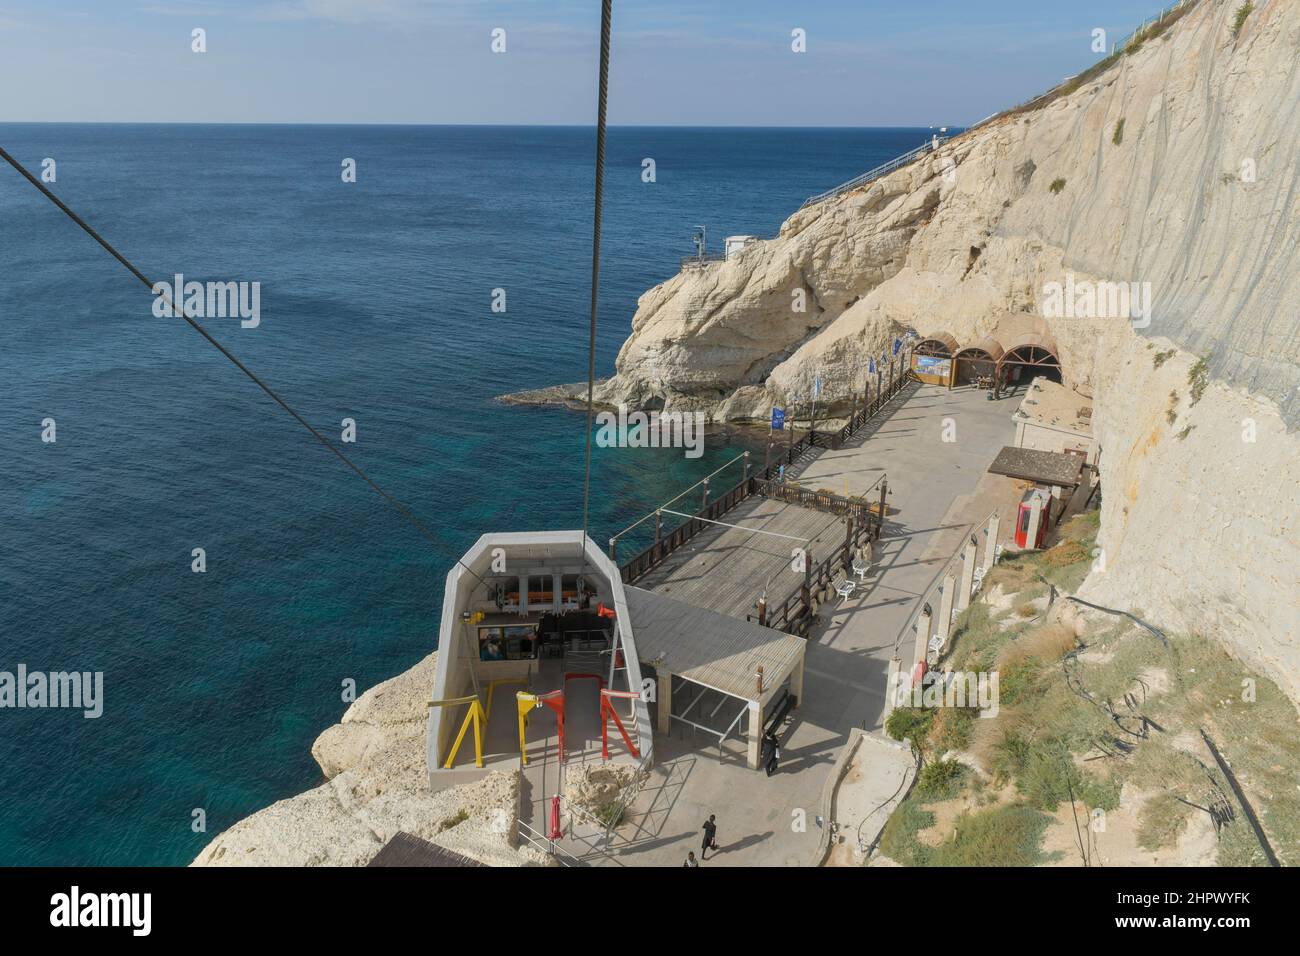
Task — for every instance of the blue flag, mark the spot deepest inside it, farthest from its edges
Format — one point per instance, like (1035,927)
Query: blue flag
(778,419)
(871,365)
(898,344)
(817,387)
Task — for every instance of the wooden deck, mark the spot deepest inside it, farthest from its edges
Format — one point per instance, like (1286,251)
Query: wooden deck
(725,569)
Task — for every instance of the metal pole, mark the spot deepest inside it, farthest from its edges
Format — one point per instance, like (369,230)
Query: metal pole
(880,520)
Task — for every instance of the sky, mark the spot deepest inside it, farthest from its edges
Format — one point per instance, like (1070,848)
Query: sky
(673,62)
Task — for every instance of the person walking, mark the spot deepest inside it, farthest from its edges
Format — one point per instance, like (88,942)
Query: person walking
(690,859)
(710,836)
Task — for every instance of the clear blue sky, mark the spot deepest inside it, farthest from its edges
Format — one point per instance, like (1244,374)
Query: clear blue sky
(703,62)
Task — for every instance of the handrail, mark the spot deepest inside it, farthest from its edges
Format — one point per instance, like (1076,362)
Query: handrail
(702,259)
(653,511)
(873,174)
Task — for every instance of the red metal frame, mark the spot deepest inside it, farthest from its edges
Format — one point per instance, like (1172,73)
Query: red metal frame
(606,712)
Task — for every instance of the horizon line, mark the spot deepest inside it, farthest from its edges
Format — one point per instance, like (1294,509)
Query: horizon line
(951,126)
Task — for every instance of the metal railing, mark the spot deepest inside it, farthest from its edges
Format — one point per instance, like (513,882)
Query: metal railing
(873,174)
(665,544)
(700,260)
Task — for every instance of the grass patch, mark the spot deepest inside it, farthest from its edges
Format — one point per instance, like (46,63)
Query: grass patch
(1000,836)
(951,728)
(455,820)
(1239,19)
(1160,358)
(940,780)
(1118,136)
(1057,186)
(1161,821)
(909,723)
(1198,378)
(898,840)
(610,814)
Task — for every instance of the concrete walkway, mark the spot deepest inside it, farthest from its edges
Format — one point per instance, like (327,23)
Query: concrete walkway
(933,485)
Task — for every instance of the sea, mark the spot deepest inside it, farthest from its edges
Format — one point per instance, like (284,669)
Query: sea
(455,268)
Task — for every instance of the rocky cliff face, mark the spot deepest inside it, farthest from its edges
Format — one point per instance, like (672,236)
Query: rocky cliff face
(1174,166)
(377,785)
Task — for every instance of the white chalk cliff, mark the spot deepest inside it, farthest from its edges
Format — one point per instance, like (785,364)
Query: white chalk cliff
(376,786)
(1175,164)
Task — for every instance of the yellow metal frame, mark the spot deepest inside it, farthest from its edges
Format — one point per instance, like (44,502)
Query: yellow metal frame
(525,703)
(477,716)
(492,686)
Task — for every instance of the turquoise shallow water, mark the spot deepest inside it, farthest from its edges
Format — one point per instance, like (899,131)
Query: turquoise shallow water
(375,305)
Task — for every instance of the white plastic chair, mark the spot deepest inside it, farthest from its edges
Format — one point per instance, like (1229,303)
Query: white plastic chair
(861,570)
(845,588)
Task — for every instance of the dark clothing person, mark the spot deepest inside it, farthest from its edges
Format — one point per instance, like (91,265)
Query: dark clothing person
(710,837)
(771,753)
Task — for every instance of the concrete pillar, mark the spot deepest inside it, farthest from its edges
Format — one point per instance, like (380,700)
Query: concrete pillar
(924,628)
(945,609)
(1035,516)
(991,544)
(967,577)
(755,733)
(664,702)
(893,680)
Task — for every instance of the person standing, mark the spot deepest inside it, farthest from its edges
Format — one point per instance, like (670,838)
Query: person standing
(710,836)
(690,859)
(771,753)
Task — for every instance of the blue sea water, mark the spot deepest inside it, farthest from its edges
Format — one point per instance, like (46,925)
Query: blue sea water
(376,305)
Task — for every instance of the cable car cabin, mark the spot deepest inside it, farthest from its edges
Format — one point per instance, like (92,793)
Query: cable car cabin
(536,659)
(1024,514)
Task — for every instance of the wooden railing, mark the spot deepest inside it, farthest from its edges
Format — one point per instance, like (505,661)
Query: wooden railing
(766,483)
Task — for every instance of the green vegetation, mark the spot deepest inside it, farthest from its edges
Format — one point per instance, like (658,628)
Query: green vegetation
(940,780)
(1182,435)
(1057,185)
(911,723)
(1239,20)
(1086,719)
(610,814)
(456,819)
(1118,137)
(1160,358)
(1198,378)
(1163,819)
(999,836)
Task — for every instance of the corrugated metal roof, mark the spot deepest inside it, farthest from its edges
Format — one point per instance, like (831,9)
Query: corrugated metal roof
(711,649)
(1043,467)
(405,849)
